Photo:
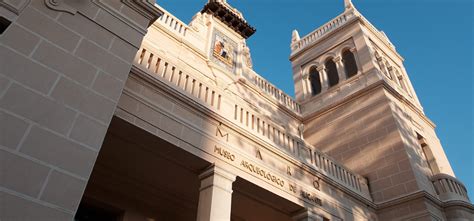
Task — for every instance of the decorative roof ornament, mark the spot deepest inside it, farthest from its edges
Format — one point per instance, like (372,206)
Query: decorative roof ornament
(348,4)
(295,36)
(229,16)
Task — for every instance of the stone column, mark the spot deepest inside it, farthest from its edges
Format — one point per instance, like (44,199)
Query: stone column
(307,85)
(392,75)
(215,196)
(306,215)
(323,77)
(341,72)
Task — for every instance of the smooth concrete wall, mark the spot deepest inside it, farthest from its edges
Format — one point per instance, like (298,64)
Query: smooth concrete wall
(62,69)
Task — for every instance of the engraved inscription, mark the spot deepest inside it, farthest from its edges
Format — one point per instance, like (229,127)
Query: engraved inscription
(259,155)
(311,197)
(263,173)
(220,133)
(224,153)
(292,188)
(316,183)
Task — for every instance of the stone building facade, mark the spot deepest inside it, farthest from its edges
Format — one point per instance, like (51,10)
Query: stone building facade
(102,122)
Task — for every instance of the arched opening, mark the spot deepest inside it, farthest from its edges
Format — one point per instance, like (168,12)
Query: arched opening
(331,71)
(350,64)
(315,80)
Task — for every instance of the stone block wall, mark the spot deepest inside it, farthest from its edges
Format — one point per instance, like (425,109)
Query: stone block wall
(363,135)
(62,70)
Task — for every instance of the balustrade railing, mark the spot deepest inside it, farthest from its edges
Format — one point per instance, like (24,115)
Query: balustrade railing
(339,172)
(172,23)
(333,25)
(280,96)
(449,188)
(323,30)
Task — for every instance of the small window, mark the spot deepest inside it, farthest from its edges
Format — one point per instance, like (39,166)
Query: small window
(331,71)
(350,64)
(4,23)
(315,80)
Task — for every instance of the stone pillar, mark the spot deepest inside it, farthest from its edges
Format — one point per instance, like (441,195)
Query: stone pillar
(341,72)
(306,215)
(324,78)
(307,86)
(63,65)
(393,76)
(215,196)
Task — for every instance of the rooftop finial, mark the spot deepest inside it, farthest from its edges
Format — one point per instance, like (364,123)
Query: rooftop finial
(295,36)
(348,4)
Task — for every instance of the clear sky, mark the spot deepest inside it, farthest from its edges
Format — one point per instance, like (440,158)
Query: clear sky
(434,36)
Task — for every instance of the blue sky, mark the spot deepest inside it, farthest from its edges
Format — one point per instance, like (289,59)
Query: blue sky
(434,36)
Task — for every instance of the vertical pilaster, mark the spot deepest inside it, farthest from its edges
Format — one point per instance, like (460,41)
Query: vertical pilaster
(215,196)
(306,215)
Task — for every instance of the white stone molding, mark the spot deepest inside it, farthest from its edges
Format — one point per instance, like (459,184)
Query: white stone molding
(215,194)
(59,5)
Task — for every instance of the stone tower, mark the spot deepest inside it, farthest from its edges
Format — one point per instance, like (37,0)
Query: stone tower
(359,107)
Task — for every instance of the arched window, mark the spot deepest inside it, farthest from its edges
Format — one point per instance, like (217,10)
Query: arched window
(315,80)
(331,71)
(350,64)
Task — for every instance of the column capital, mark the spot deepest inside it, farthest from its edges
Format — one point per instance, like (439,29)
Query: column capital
(337,59)
(305,76)
(306,215)
(217,170)
(217,176)
(352,50)
(320,68)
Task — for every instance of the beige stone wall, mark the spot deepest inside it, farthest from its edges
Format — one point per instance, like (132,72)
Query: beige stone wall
(363,135)
(62,70)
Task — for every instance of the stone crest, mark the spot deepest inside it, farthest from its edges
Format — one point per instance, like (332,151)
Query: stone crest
(223,51)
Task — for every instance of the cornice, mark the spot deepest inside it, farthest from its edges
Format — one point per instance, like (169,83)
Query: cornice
(422,194)
(145,8)
(377,85)
(229,18)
